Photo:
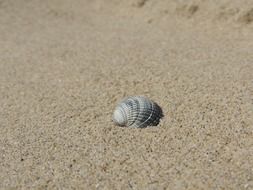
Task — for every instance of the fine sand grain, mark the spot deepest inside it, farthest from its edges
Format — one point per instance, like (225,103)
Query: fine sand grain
(65,64)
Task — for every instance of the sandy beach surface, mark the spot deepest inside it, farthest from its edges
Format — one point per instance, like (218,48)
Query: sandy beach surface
(65,64)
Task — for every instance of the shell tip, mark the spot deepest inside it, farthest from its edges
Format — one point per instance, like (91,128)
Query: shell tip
(118,118)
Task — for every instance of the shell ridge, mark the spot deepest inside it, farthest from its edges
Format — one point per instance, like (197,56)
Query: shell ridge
(138,108)
(152,110)
(130,107)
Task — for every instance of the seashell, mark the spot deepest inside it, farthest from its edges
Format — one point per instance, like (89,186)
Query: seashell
(137,111)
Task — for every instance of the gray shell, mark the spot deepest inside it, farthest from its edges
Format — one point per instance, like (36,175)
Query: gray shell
(137,111)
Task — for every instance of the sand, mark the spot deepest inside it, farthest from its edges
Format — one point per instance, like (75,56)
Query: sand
(65,64)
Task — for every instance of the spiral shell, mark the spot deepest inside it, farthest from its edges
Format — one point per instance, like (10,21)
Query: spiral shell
(137,111)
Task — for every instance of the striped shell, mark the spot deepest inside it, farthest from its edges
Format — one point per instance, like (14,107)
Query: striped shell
(137,111)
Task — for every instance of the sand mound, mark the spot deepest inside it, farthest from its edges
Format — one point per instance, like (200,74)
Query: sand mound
(203,10)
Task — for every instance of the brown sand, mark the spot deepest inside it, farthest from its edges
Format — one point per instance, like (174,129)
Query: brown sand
(65,64)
